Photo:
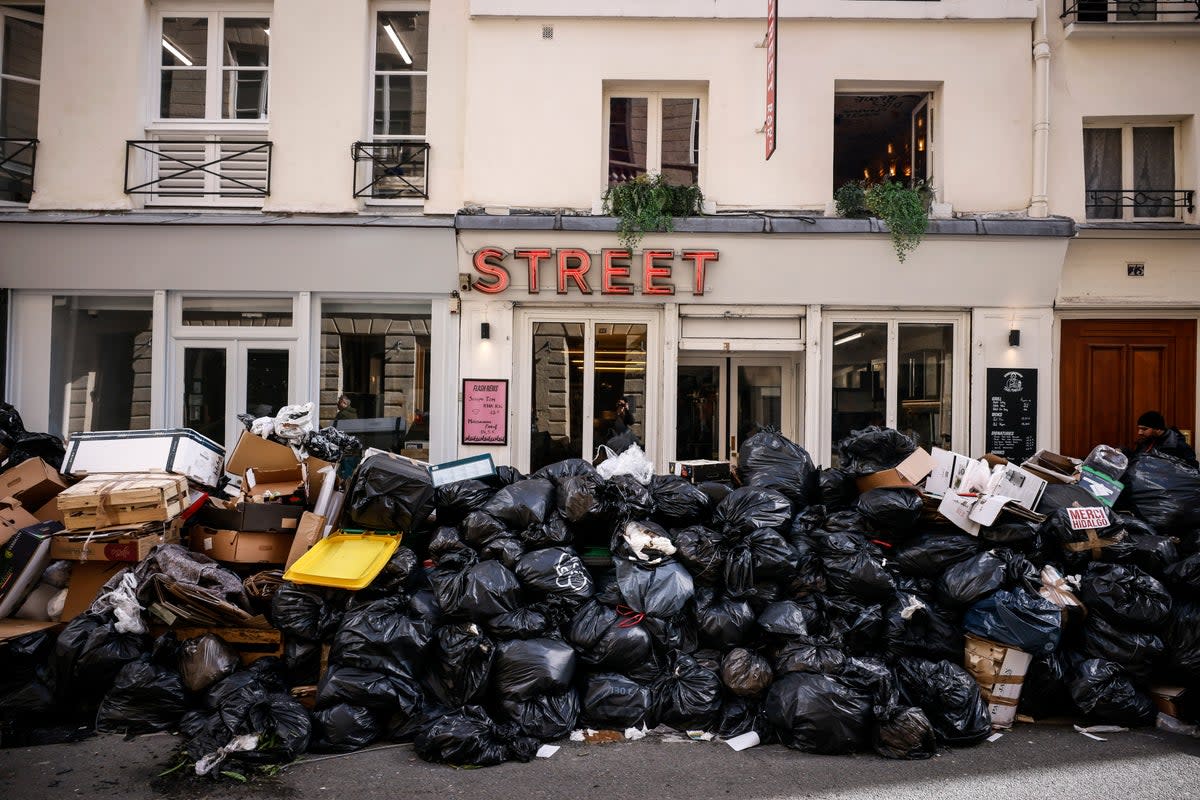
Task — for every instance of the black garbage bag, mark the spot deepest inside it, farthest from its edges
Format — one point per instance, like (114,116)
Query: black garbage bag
(522,504)
(768,460)
(447,546)
(716,490)
(386,693)
(1181,639)
(382,637)
(567,468)
(422,604)
(809,575)
(554,532)
(26,683)
(678,502)
(874,449)
(460,664)
(546,716)
(854,567)
(556,574)
(890,509)
(1183,576)
(506,550)
(467,736)
(390,494)
(1126,596)
(1136,652)
(739,715)
(45,446)
(838,489)
(525,668)
(1018,534)
(904,732)
(454,501)
(746,673)
(627,499)
(1076,548)
(529,622)
(343,728)
(928,555)
(1149,551)
(819,713)
(144,698)
(1046,691)
(476,593)
(1018,618)
(1105,693)
(762,555)
(967,582)
(608,641)
(661,591)
(699,549)
(723,622)
(785,619)
(399,574)
(615,701)
(205,660)
(332,444)
(245,703)
(748,509)
(1164,491)
(305,612)
(687,696)
(859,626)
(89,653)
(478,528)
(949,696)
(915,627)
(581,498)
(811,654)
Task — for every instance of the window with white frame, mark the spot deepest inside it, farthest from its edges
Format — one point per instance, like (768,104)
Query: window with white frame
(1130,172)
(208,114)
(653,132)
(20,83)
(394,162)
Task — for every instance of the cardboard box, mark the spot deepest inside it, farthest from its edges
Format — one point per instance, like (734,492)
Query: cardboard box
(999,670)
(101,501)
(180,451)
(905,475)
(49,512)
(1053,467)
(256,452)
(270,485)
(87,577)
(22,562)
(16,628)
(257,517)
(700,470)
(33,482)
(128,544)
(1166,699)
(243,547)
(309,532)
(13,517)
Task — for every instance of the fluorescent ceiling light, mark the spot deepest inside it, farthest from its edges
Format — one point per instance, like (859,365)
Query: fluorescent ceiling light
(267,31)
(399,45)
(848,338)
(175,51)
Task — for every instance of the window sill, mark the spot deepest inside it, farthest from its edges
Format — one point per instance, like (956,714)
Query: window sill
(208,127)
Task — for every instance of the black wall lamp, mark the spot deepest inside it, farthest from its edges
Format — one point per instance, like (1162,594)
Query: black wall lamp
(1014,337)
(485,330)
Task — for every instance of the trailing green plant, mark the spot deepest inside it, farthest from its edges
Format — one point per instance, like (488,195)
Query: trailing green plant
(851,200)
(903,210)
(647,203)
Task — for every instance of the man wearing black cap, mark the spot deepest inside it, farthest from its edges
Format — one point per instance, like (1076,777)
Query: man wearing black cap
(1155,437)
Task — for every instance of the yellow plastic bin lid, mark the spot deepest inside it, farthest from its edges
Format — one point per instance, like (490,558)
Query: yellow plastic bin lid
(344,560)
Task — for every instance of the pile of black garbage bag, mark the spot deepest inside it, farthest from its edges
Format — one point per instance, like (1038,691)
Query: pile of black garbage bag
(790,605)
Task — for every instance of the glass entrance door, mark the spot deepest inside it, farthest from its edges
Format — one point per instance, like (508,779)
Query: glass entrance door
(218,379)
(724,400)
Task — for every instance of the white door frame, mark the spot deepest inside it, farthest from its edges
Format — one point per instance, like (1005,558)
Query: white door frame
(789,406)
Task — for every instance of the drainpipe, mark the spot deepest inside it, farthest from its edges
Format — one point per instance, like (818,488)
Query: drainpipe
(1039,206)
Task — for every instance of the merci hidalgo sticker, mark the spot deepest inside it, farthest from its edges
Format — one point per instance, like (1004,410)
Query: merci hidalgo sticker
(1089,518)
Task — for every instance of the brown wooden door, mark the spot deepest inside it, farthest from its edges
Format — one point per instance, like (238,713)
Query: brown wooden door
(1113,370)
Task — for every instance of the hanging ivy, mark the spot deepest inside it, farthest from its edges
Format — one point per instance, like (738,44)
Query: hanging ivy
(648,203)
(903,210)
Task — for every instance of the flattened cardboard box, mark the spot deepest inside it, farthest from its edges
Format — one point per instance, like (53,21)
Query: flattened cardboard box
(126,544)
(905,475)
(243,547)
(309,532)
(33,482)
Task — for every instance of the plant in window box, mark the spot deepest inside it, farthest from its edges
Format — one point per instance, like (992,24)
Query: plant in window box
(648,203)
(851,200)
(905,211)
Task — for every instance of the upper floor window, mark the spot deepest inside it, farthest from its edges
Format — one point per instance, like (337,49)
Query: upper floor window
(1129,172)
(20,80)
(213,66)
(882,137)
(654,132)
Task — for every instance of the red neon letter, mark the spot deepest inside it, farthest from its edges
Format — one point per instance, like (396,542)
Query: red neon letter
(487,262)
(652,270)
(583,262)
(613,270)
(700,257)
(533,255)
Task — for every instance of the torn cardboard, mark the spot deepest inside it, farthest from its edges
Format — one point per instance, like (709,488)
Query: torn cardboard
(242,547)
(310,531)
(905,475)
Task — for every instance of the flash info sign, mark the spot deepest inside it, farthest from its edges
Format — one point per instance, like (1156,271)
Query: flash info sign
(613,270)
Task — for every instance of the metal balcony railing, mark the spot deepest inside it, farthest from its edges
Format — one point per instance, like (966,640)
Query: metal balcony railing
(1126,11)
(393,170)
(17,160)
(1110,203)
(197,168)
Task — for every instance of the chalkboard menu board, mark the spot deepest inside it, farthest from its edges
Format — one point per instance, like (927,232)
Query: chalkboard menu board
(1012,412)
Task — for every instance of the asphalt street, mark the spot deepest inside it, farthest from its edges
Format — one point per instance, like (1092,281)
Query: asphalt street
(1031,761)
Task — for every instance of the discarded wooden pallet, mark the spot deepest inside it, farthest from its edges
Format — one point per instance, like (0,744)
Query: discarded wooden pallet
(102,501)
(251,644)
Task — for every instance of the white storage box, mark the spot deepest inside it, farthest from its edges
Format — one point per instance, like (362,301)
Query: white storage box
(180,451)
(999,669)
